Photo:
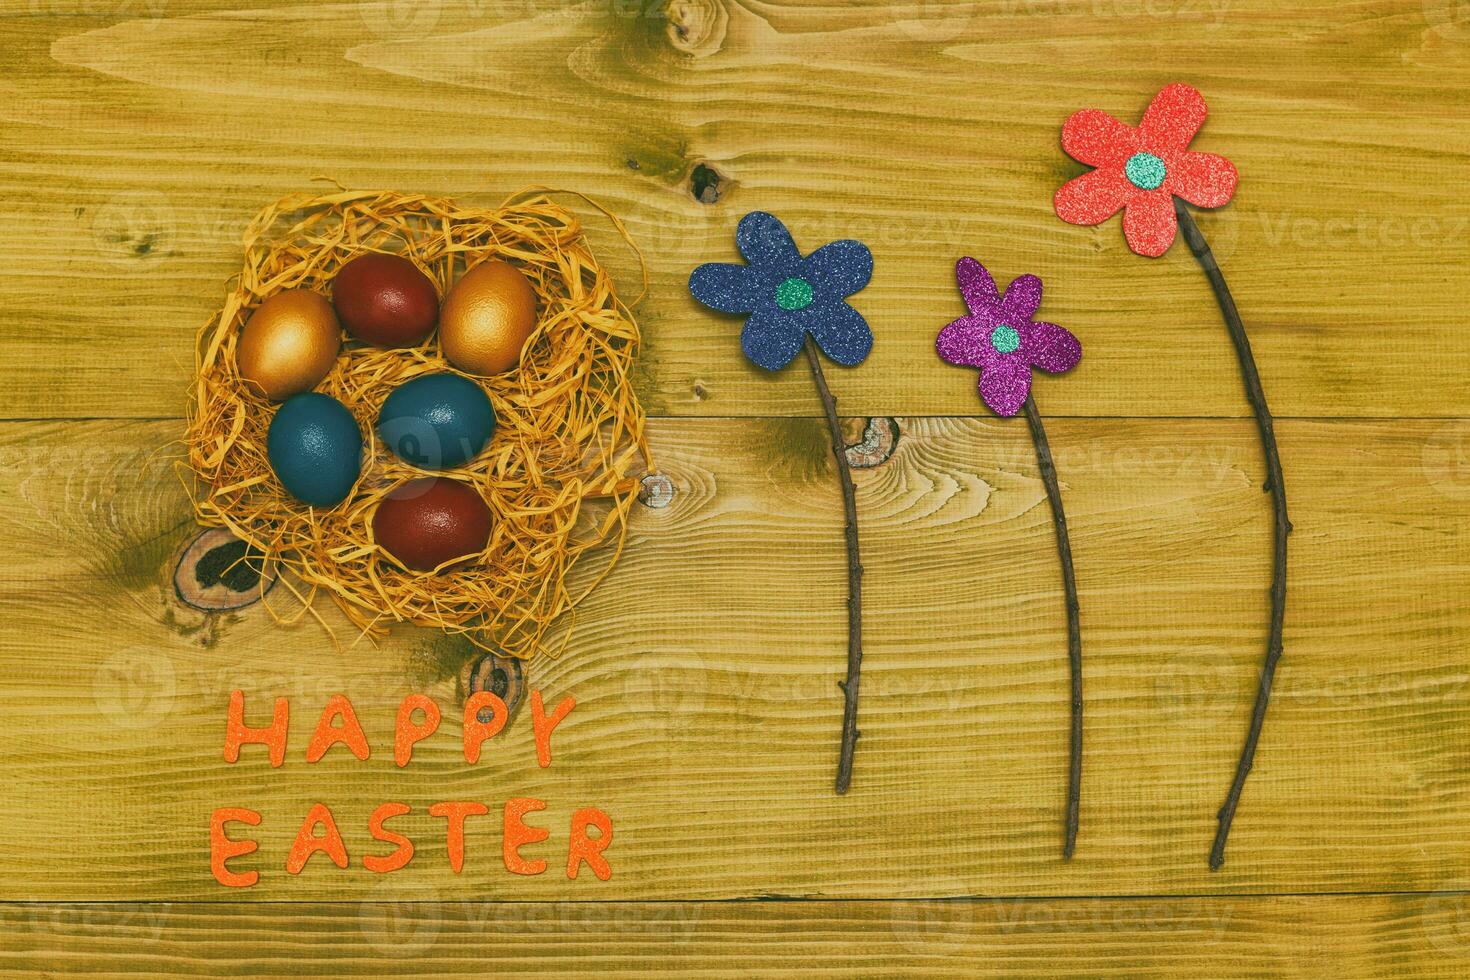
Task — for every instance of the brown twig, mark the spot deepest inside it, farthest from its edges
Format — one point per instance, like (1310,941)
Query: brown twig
(854,574)
(1277,488)
(1074,629)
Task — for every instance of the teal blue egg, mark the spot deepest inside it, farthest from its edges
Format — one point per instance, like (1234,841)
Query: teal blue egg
(437,421)
(315,449)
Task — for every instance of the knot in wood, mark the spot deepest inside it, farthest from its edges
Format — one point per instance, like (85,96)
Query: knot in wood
(697,27)
(656,491)
(878,443)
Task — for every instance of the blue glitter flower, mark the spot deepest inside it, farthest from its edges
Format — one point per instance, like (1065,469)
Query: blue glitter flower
(788,296)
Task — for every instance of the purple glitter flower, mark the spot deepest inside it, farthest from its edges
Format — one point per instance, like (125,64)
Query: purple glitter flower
(1001,339)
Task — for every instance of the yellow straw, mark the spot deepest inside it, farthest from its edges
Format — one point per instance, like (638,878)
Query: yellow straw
(570,428)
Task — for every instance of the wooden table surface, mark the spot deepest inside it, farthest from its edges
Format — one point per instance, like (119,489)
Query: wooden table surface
(138,137)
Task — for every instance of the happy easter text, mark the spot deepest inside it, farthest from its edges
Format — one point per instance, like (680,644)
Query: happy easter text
(485,715)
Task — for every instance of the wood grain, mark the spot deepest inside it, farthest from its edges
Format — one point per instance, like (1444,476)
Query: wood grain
(407,933)
(707,714)
(138,139)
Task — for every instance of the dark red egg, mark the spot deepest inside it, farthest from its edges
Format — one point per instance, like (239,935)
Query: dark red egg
(385,300)
(426,522)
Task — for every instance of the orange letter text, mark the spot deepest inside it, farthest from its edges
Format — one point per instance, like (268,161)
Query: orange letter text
(455,812)
(222,848)
(477,731)
(400,857)
(583,848)
(410,732)
(516,833)
(307,843)
(545,726)
(327,735)
(237,733)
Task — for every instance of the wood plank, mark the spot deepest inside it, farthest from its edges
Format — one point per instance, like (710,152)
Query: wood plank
(408,934)
(138,142)
(705,671)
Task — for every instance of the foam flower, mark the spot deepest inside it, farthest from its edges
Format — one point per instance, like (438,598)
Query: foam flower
(1151,173)
(1140,170)
(788,296)
(798,304)
(1001,338)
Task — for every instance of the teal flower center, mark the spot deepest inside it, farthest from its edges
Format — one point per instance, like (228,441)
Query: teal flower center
(1144,171)
(1005,339)
(794,294)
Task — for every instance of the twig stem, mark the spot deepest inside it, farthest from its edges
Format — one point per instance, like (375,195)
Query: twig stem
(1277,488)
(1074,629)
(854,574)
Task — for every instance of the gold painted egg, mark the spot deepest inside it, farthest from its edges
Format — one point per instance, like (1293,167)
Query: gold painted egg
(289,343)
(487,317)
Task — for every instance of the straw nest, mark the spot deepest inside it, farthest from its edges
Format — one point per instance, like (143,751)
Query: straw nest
(559,476)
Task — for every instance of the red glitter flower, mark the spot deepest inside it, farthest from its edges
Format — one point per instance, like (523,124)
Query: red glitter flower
(1140,170)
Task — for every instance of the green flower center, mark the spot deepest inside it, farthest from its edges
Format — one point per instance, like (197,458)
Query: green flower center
(794,294)
(1144,171)
(1005,339)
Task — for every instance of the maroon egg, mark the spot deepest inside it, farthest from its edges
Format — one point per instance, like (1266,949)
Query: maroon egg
(426,522)
(385,300)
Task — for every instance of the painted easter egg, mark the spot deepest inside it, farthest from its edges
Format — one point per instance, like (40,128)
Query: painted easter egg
(385,300)
(436,421)
(289,344)
(315,449)
(487,318)
(429,521)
